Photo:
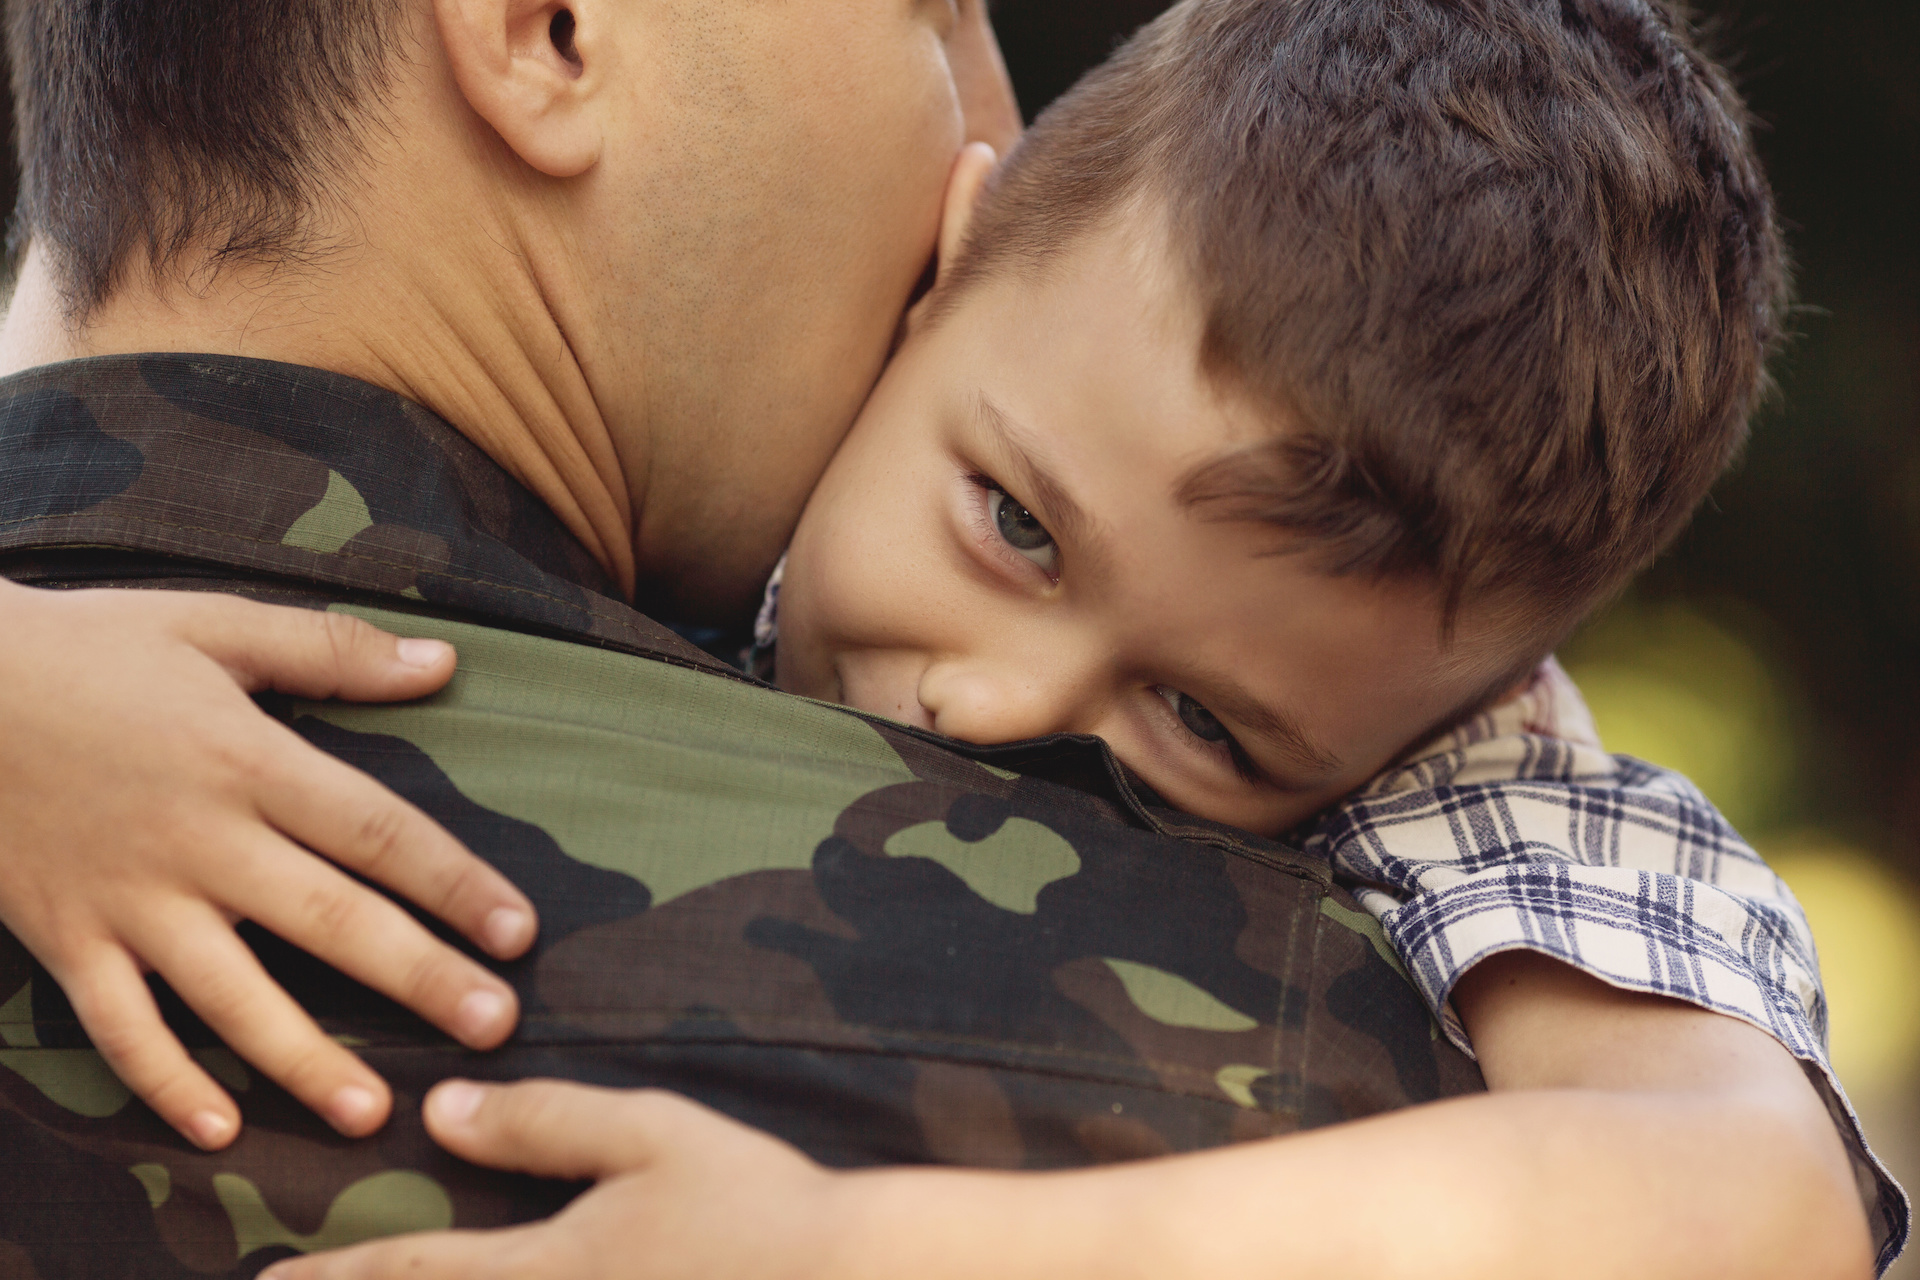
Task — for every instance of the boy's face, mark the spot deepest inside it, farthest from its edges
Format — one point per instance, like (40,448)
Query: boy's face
(998,552)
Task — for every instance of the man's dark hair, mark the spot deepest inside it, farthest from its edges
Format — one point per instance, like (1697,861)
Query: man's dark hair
(155,126)
(1507,271)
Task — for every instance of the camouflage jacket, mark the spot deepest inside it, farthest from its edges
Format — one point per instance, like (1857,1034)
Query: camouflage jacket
(878,945)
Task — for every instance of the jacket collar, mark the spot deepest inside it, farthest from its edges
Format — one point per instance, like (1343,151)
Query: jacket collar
(297,473)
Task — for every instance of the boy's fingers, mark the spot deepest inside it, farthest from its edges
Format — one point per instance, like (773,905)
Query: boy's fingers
(370,939)
(115,1007)
(345,815)
(547,1128)
(313,653)
(557,1129)
(221,980)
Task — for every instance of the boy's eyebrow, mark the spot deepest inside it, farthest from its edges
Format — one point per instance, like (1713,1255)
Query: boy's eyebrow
(1066,519)
(1280,730)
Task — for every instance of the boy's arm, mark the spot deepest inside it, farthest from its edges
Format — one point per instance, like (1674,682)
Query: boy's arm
(146,803)
(1518,830)
(1626,1136)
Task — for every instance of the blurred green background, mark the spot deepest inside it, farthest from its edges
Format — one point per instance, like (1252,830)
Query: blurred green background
(1774,655)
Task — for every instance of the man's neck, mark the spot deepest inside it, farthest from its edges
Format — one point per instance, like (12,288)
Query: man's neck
(457,323)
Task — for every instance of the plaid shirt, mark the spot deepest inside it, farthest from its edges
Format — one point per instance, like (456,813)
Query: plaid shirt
(1517,831)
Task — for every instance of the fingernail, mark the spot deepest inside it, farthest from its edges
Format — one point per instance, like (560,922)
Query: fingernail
(506,930)
(209,1128)
(421,653)
(479,1013)
(454,1102)
(351,1107)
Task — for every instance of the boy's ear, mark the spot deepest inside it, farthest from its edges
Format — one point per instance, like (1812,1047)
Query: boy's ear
(971,169)
(529,68)
(964,184)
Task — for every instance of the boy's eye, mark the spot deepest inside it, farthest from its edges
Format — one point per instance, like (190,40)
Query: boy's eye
(1199,721)
(1021,531)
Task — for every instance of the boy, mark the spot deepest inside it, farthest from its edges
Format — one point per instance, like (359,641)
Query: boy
(1263,573)
(1291,435)
(1291,432)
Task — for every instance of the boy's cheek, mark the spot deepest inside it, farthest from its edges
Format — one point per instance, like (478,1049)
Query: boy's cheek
(1277,819)
(794,659)
(827,606)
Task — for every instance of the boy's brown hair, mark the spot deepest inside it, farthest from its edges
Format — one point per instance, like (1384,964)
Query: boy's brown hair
(1507,270)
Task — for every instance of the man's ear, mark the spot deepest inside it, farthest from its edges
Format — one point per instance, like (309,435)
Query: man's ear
(971,169)
(528,68)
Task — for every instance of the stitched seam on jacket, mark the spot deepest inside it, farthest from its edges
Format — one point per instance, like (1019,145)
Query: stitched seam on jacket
(143,522)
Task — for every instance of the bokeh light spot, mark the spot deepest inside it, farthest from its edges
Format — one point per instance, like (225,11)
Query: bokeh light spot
(1866,923)
(1670,686)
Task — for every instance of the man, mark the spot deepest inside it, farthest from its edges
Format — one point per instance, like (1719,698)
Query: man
(578,343)
(619,246)
(611,244)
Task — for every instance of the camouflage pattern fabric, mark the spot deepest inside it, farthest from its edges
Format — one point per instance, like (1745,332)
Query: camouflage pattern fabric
(854,935)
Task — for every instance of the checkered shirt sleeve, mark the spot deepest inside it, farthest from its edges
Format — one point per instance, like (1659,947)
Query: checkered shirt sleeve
(1517,831)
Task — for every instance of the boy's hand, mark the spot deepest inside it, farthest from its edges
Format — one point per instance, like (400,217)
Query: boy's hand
(1626,1136)
(146,804)
(684,1194)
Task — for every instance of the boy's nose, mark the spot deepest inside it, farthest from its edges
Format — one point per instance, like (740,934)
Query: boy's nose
(982,702)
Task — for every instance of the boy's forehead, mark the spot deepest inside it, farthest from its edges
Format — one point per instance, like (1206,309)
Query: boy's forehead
(1129,255)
